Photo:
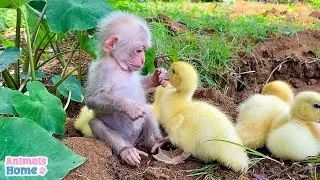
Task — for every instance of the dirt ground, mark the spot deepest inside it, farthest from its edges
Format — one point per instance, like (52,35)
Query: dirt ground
(288,58)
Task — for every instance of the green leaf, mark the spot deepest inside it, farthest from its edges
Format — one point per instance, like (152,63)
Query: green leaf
(12,3)
(149,64)
(23,137)
(75,14)
(70,84)
(6,106)
(6,42)
(39,75)
(41,107)
(89,43)
(8,56)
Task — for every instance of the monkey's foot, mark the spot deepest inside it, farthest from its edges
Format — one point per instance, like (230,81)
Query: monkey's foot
(132,155)
(171,157)
(159,143)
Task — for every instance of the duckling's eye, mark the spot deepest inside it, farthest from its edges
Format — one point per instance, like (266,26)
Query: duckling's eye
(316,105)
(173,71)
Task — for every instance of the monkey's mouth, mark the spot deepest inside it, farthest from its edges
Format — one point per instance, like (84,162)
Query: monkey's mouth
(134,67)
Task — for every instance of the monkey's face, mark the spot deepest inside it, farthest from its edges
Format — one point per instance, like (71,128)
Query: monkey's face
(129,55)
(130,58)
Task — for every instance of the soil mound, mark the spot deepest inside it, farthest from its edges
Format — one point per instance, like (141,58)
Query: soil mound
(288,58)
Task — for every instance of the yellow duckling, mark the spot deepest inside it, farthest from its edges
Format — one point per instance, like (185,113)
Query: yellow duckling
(82,122)
(260,112)
(280,89)
(300,136)
(193,125)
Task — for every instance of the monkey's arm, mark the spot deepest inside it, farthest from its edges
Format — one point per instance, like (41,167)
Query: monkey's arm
(99,100)
(154,80)
(148,83)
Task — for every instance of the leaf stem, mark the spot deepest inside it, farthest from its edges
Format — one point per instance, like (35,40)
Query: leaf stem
(56,55)
(80,57)
(42,50)
(17,43)
(8,80)
(68,101)
(68,62)
(35,32)
(29,48)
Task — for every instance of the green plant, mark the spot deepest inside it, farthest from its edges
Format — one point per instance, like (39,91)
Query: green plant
(315,4)
(23,137)
(207,171)
(44,28)
(42,113)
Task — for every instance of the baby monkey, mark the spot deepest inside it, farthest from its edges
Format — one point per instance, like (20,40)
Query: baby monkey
(116,91)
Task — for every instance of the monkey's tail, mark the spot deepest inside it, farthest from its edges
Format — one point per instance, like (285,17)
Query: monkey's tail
(82,122)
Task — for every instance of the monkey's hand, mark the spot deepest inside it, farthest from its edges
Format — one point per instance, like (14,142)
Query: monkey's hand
(159,77)
(132,155)
(135,111)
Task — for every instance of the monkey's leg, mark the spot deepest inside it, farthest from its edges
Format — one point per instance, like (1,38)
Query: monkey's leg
(120,146)
(151,130)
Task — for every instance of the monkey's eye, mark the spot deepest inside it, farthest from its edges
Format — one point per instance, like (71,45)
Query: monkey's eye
(316,105)
(140,50)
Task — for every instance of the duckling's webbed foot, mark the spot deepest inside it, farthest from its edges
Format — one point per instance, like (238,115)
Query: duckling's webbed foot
(159,143)
(174,157)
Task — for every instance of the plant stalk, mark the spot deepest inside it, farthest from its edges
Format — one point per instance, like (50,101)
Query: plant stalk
(17,43)
(80,57)
(68,62)
(35,32)
(8,80)
(56,55)
(29,48)
(38,55)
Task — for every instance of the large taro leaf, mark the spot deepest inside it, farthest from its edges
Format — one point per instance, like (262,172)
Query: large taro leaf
(6,106)
(12,3)
(75,14)
(70,84)
(23,137)
(41,107)
(8,56)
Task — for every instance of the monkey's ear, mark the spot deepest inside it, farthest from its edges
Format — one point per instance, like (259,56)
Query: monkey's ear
(109,43)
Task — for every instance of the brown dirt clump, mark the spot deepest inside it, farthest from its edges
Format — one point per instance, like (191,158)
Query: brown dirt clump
(289,58)
(315,14)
